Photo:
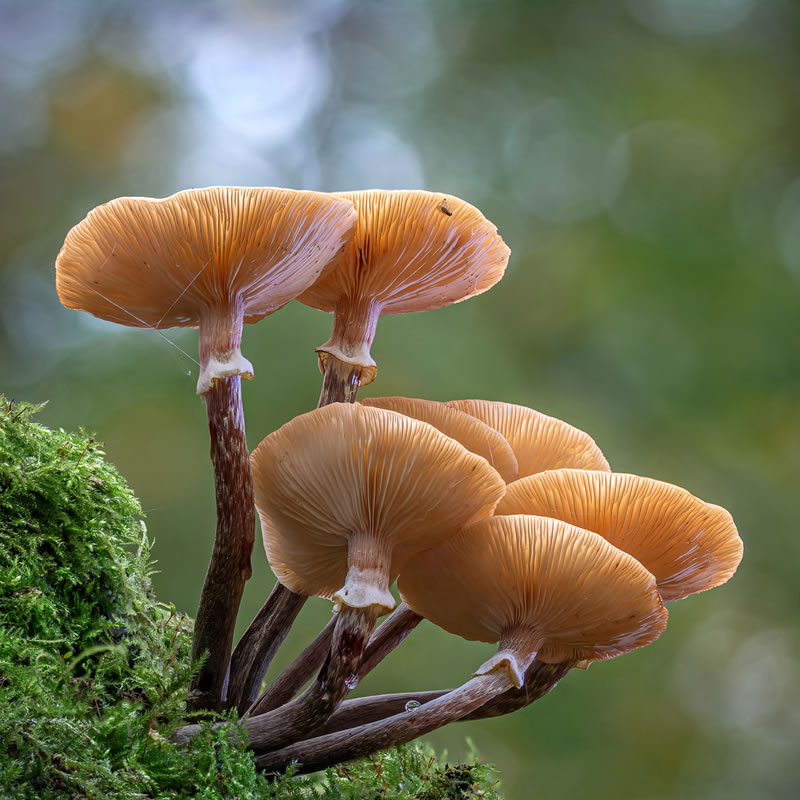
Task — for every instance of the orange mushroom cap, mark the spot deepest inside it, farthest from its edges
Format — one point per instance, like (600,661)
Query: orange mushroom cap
(209,258)
(689,545)
(412,251)
(542,588)
(538,441)
(475,435)
(348,494)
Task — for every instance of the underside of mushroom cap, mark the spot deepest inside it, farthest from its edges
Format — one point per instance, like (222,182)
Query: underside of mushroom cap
(412,251)
(159,263)
(689,545)
(476,436)
(539,442)
(533,583)
(341,473)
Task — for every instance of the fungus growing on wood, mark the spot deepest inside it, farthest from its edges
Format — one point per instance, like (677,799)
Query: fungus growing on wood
(689,545)
(407,255)
(538,441)
(211,259)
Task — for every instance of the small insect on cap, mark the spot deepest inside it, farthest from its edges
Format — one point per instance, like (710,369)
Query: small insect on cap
(412,251)
(348,494)
(209,258)
(539,442)
(689,545)
(475,435)
(541,588)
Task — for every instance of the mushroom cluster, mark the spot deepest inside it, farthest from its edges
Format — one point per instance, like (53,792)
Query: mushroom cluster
(499,523)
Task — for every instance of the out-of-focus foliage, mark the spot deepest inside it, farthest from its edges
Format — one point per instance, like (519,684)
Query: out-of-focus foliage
(642,160)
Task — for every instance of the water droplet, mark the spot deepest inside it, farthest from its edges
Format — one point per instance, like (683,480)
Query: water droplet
(412,704)
(351,682)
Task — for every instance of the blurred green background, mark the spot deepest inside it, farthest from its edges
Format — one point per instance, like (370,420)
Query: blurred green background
(641,159)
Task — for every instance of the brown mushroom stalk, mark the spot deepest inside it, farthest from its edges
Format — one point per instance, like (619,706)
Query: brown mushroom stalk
(539,679)
(297,674)
(324,751)
(340,382)
(389,634)
(259,643)
(339,674)
(220,340)
(517,651)
(229,567)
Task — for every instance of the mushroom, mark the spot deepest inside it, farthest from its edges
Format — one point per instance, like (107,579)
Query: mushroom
(347,495)
(538,441)
(475,435)
(689,545)
(412,251)
(211,259)
(544,589)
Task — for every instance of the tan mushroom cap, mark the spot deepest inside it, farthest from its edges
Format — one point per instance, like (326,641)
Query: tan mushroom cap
(540,587)
(475,435)
(412,251)
(538,441)
(201,257)
(348,494)
(689,545)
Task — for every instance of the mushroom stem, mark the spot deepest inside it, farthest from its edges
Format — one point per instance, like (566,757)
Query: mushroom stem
(292,679)
(229,567)
(259,643)
(266,632)
(389,634)
(333,748)
(361,710)
(220,340)
(539,680)
(339,674)
(340,383)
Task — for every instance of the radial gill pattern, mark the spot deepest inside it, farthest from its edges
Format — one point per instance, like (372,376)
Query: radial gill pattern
(689,545)
(475,435)
(538,441)
(160,263)
(536,583)
(342,472)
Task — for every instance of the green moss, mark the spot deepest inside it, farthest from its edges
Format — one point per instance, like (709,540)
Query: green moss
(93,670)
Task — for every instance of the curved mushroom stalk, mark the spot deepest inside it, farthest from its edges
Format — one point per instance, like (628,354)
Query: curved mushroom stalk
(259,643)
(324,751)
(390,633)
(296,675)
(339,674)
(539,680)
